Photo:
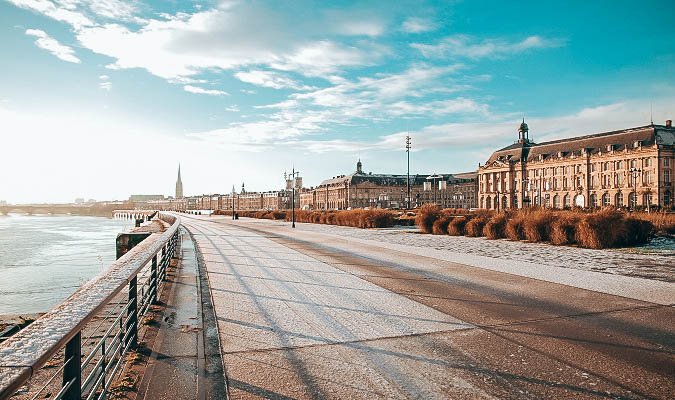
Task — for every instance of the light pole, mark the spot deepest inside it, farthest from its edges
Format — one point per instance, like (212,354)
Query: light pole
(293,175)
(407,150)
(433,182)
(232,201)
(635,172)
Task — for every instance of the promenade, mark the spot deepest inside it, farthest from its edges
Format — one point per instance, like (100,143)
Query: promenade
(327,312)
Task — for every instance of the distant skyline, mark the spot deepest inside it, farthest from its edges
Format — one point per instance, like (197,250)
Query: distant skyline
(104,98)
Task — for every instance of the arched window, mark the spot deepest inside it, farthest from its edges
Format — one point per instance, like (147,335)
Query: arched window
(606,200)
(556,201)
(666,198)
(632,200)
(594,200)
(515,202)
(488,203)
(567,201)
(618,200)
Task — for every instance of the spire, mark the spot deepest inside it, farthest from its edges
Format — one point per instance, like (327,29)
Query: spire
(359,167)
(179,185)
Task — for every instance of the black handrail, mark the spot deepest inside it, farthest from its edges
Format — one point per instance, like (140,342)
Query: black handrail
(23,354)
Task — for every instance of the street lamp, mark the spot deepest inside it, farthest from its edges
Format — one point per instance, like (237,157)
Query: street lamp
(407,150)
(433,182)
(635,172)
(293,175)
(232,201)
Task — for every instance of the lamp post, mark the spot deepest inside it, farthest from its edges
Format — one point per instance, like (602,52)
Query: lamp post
(433,182)
(407,150)
(634,172)
(232,201)
(293,175)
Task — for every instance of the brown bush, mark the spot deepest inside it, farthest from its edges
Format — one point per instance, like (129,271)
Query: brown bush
(664,223)
(603,229)
(564,228)
(440,226)
(495,227)
(457,225)
(515,226)
(638,231)
(537,225)
(474,228)
(426,216)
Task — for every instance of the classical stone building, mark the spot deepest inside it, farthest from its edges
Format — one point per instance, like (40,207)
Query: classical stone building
(360,190)
(626,168)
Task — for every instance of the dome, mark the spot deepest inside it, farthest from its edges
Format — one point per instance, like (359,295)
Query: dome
(523,127)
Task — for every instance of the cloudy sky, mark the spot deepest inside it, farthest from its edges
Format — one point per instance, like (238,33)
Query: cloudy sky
(103,98)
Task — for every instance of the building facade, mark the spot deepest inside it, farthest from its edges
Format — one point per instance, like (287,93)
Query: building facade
(626,168)
(368,190)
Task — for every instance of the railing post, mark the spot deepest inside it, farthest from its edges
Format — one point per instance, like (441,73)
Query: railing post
(164,263)
(132,314)
(154,281)
(72,372)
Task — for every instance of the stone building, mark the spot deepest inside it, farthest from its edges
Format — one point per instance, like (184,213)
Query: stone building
(361,190)
(625,168)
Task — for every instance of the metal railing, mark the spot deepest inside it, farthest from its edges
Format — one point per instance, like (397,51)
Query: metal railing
(88,335)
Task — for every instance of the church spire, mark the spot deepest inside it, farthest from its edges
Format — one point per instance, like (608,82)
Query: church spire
(179,185)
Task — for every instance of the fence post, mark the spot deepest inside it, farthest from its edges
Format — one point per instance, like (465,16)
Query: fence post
(72,372)
(154,282)
(132,314)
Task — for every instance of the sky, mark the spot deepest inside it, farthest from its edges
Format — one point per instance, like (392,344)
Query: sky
(104,98)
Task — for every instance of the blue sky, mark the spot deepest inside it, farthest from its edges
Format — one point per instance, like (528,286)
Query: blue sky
(103,98)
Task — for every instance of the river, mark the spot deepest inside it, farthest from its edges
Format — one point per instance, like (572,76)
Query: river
(45,258)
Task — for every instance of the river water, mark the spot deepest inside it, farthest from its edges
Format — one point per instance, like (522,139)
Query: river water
(45,258)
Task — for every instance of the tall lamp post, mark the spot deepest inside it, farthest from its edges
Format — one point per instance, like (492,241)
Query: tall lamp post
(634,172)
(293,175)
(232,201)
(433,182)
(407,150)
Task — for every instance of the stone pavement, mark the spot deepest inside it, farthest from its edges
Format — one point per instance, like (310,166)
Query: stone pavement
(307,315)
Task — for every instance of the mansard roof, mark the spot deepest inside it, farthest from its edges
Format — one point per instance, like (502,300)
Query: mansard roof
(391,179)
(595,143)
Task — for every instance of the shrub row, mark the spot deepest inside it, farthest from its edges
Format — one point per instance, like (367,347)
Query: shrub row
(354,218)
(597,230)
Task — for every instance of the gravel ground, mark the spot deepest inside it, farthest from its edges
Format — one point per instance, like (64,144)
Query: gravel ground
(651,262)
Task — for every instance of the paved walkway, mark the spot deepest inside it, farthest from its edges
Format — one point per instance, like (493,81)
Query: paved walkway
(180,365)
(307,315)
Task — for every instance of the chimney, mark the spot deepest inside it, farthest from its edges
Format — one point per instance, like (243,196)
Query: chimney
(669,123)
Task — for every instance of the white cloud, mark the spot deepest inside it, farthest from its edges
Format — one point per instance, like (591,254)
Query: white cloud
(418,25)
(232,108)
(104,83)
(58,12)
(210,92)
(46,42)
(361,28)
(269,79)
(470,47)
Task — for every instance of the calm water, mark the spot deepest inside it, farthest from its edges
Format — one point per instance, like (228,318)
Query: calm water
(44,259)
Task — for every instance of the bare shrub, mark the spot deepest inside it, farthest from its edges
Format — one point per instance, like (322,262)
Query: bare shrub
(457,225)
(564,228)
(440,226)
(603,229)
(537,225)
(515,226)
(474,228)
(495,227)
(426,216)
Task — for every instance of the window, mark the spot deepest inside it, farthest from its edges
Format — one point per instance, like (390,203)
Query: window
(565,186)
(594,200)
(593,167)
(619,179)
(556,201)
(647,162)
(666,162)
(567,200)
(666,176)
(632,200)
(619,165)
(666,198)
(647,177)
(618,200)
(633,163)
(593,181)
(606,200)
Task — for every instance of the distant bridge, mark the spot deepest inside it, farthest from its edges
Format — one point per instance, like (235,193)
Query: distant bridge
(101,210)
